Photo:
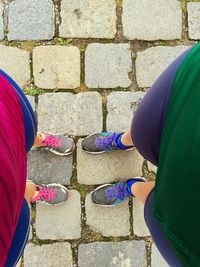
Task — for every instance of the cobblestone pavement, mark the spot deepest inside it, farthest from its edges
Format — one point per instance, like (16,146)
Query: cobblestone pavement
(86,66)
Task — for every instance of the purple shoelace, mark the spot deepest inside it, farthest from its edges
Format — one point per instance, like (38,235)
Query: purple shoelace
(117,191)
(107,142)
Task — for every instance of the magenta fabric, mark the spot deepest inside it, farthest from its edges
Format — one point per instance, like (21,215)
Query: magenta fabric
(12,165)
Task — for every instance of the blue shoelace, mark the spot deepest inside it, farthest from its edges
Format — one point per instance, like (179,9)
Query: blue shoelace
(107,143)
(118,192)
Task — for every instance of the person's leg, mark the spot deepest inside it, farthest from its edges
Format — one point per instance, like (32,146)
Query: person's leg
(150,116)
(147,123)
(161,241)
(112,194)
(30,123)
(20,237)
(30,190)
(142,190)
(126,138)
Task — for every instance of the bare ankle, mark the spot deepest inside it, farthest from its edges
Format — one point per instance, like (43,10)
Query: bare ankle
(126,138)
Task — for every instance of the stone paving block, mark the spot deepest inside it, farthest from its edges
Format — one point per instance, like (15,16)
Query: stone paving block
(50,255)
(15,62)
(45,167)
(56,67)
(152,19)
(19,263)
(30,233)
(60,222)
(108,221)
(63,113)
(31,99)
(157,259)
(1,20)
(113,254)
(88,19)
(153,61)
(194,20)
(107,65)
(121,106)
(139,225)
(31,20)
(152,167)
(107,167)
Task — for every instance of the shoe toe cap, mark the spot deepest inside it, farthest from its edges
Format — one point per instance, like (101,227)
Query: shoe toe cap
(89,143)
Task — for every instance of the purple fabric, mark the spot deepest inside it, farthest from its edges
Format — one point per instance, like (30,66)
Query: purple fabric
(108,142)
(158,235)
(150,115)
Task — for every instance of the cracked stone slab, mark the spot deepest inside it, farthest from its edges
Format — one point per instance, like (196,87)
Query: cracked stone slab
(56,67)
(139,225)
(121,107)
(88,19)
(45,167)
(1,20)
(57,254)
(194,20)
(112,254)
(153,61)
(152,19)
(107,167)
(15,62)
(108,65)
(60,222)
(107,221)
(156,258)
(63,113)
(26,20)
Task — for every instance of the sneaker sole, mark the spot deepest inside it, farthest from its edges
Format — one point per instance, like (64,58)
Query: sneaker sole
(113,205)
(62,186)
(101,152)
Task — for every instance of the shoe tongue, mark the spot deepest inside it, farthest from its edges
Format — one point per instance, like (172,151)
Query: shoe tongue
(128,190)
(114,141)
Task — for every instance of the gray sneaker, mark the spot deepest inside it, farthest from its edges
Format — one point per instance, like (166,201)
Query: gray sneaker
(57,144)
(102,142)
(51,194)
(108,195)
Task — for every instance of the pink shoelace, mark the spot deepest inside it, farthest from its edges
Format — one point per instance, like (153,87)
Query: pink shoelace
(46,194)
(51,141)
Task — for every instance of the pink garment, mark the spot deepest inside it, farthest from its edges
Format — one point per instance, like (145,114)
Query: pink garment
(13,165)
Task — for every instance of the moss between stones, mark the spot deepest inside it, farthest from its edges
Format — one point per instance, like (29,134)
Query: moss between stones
(118,3)
(184,6)
(33,91)
(29,45)
(82,47)
(63,42)
(82,189)
(33,213)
